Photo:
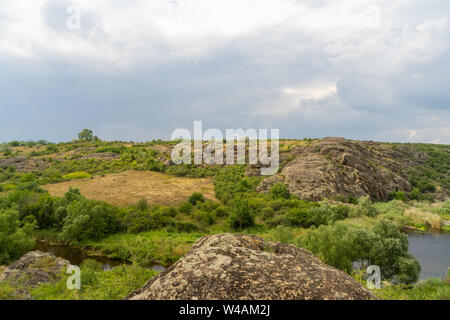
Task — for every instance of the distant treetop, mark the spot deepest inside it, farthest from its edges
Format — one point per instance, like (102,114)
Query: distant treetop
(87,135)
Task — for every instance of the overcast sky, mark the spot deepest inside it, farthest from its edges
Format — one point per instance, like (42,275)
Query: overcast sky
(136,70)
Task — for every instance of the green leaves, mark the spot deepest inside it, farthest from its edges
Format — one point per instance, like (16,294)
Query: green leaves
(340,245)
(14,239)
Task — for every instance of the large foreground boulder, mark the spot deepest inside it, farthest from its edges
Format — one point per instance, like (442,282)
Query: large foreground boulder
(233,266)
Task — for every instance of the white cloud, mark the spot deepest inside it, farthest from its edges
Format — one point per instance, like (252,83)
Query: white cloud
(351,67)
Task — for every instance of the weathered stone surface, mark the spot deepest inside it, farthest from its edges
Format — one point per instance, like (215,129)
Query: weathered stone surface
(234,266)
(335,167)
(102,156)
(34,268)
(23,164)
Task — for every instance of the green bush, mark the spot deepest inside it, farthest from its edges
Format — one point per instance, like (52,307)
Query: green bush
(185,207)
(89,220)
(14,240)
(221,212)
(76,175)
(28,177)
(180,226)
(196,197)
(364,208)
(397,195)
(241,216)
(385,246)
(267,213)
(142,205)
(279,190)
(204,218)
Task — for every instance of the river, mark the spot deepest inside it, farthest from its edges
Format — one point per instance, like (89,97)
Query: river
(433,252)
(76,256)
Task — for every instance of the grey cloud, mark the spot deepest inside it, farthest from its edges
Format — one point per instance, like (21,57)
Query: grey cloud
(54,97)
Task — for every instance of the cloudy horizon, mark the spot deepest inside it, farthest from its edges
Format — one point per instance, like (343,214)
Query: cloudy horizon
(137,70)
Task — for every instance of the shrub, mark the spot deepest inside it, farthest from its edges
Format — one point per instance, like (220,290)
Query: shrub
(42,208)
(267,213)
(14,240)
(204,218)
(397,195)
(385,246)
(221,212)
(196,197)
(425,186)
(165,211)
(89,220)
(142,205)
(185,207)
(184,227)
(241,216)
(365,208)
(414,194)
(135,222)
(283,234)
(279,191)
(76,175)
(28,177)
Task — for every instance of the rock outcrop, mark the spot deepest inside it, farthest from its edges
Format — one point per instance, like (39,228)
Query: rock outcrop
(336,167)
(102,156)
(234,266)
(34,268)
(22,164)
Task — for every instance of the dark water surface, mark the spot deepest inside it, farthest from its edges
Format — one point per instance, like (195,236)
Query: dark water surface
(433,252)
(76,256)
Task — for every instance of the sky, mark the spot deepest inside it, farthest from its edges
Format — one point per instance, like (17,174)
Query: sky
(137,70)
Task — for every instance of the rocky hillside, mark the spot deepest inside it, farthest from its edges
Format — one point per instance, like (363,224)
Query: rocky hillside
(235,266)
(340,168)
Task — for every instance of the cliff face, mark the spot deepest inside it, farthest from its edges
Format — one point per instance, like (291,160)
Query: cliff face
(334,167)
(231,267)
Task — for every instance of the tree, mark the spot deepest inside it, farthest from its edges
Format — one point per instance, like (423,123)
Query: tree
(241,216)
(87,219)
(86,135)
(14,240)
(385,246)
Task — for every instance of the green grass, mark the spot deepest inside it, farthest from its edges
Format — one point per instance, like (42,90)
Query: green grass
(431,289)
(97,284)
(153,247)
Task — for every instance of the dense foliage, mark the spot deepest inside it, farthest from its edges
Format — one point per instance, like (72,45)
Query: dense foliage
(384,246)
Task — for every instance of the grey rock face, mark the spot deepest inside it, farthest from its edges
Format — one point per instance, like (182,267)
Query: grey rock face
(334,167)
(34,268)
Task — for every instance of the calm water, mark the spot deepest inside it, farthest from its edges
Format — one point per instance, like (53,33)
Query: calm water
(433,252)
(76,256)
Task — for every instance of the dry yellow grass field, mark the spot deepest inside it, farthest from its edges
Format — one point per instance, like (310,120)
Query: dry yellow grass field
(127,188)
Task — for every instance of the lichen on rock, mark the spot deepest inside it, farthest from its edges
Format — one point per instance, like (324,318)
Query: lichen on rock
(236,266)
